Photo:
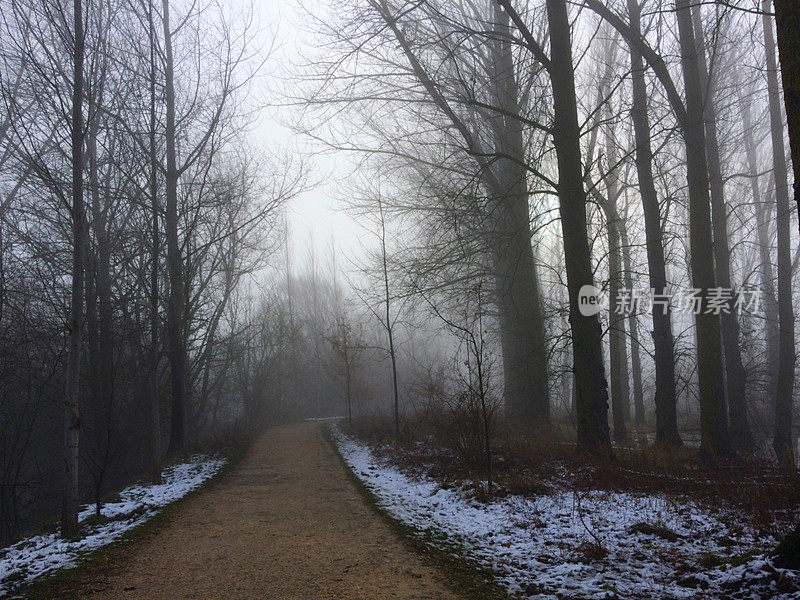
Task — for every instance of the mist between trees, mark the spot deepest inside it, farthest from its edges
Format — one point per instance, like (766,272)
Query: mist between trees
(504,155)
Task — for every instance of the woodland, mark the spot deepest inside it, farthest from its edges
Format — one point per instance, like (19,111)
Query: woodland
(571,272)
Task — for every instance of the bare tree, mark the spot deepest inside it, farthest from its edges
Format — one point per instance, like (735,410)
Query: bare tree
(345,338)
(782,442)
(689,115)
(589,373)
(469,327)
(663,341)
(178,440)
(787,19)
(764,216)
(69,510)
(617,338)
(741,437)
(713,420)
(388,320)
(155,253)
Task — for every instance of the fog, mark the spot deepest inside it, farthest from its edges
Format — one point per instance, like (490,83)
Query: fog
(498,256)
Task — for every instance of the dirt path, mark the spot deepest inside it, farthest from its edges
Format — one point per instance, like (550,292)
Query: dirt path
(287,523)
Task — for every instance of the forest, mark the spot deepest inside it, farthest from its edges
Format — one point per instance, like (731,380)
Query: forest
(516,281)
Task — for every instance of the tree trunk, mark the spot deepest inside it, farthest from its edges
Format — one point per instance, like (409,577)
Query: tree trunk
(349,394)
(293,369)
(152,377)
(620,383)
(633,330)
(740,435)
(787,19)
(714,441)
(520,314)
(663,342)
(618,363)
(212,326)
(782,442)
(69,508)
(590,379)
(91,336)
(99,311)
(389,324)
(764,216)
(178,441)
(522,334)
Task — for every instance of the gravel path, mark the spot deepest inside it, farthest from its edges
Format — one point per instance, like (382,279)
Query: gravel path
(287,523)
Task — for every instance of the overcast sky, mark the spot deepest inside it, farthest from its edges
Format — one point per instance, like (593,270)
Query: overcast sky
(317,213)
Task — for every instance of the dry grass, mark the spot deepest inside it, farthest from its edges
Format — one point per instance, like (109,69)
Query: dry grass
(656,529)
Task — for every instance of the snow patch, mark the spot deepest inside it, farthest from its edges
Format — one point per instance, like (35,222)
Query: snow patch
(590,545)
(33,557)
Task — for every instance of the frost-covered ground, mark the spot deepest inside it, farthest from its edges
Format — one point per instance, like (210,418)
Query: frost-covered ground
(32,557)
(586,545)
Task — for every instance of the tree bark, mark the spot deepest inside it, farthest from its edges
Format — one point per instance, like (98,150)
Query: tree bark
(99,309)
(178,441)
(522,328)
(787,19)
(782,442)
(69,508)
(633,330)
(764,216)
(590,378)
(389,324)
(155,250)
(525,369)
(714,441)
(618,363)
(741,437)
(663,341)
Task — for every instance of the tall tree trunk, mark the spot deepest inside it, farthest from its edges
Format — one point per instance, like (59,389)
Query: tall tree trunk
(741,438)
(101,345)
(292,375)
(349,394)
(633,331)
(782,442)
(72,423)
(590,379)
(618,363)
(566,389)
(663,342)
(520,313)
(206,360)
(389,323)
(713,418)
(714,441)
(526,389)
(155,249)
(764,216)
(178,441)
(787,19)
(91,336)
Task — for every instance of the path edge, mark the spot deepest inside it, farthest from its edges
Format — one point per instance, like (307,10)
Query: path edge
(69,583)
(462,575)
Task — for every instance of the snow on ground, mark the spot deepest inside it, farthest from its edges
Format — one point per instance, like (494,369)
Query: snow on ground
(32,557)
(581,545)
